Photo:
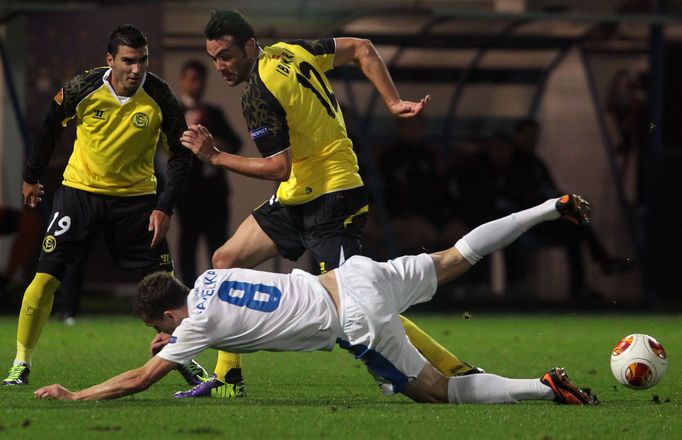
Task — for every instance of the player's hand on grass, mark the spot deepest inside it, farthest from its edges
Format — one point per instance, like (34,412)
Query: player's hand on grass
(198,139)
(55,391)
(408,109)
(159,222)
(33,193)
(159,341)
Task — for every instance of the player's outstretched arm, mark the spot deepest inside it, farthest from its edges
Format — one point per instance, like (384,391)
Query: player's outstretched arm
(124,384)
(364,54)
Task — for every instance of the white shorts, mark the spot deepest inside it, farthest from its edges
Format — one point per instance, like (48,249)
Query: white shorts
(372,295)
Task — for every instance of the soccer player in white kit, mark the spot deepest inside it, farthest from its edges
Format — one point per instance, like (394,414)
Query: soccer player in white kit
(355,306)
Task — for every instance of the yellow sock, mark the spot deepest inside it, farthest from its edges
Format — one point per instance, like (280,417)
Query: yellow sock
(439,356)
(226,362)
(35,311)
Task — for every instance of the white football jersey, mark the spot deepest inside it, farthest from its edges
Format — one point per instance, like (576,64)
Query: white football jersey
(242,310)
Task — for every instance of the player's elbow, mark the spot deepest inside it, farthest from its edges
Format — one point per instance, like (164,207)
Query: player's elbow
(280,167)
(364,49)
(282,174)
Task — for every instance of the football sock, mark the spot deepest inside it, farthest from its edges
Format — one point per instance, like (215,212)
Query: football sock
(490,388)
(444,361)
(495,235)
(35,311)
(226,362)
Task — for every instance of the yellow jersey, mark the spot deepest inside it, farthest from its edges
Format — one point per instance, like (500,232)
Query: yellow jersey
(116,137)
(289,104)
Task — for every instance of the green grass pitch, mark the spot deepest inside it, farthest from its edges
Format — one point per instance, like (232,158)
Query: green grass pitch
(330,395)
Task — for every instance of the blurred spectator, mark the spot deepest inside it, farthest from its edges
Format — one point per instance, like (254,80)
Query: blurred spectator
(204,206)
(421,209)
(627,106)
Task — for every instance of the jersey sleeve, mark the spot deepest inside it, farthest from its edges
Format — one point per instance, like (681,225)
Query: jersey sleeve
(187,341)
(179,157)
(265,118)
(62,109)
(322,50)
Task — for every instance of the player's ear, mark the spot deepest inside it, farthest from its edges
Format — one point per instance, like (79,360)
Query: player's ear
(110,60)
(251,47)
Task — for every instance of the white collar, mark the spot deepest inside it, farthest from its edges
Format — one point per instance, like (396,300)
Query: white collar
(121,99)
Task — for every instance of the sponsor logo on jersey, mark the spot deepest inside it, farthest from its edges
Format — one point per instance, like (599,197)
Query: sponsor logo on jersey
(59,97)
(99,114)
(259,132)
(49,244)
(172,339)
(140,120)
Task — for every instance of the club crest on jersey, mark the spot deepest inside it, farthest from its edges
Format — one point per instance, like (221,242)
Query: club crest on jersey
(259,132)
(173,340)
(49,244)
(140,120)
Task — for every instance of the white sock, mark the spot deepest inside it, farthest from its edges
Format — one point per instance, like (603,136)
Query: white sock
(491,388)
(499,233)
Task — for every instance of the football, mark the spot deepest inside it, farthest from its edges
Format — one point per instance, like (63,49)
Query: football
(639,361)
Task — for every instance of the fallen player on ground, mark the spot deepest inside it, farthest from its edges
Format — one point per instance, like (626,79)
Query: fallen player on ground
(355,306)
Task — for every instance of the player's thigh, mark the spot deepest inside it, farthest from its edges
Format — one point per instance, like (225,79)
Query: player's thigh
(129,238)
(76,215)
(333,226)
(282,225)
(248,247)
(375,335)
(401,282)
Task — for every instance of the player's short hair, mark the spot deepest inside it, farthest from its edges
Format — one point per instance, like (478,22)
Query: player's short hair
(195,65)
(157,293)
(125,35)
(224,23)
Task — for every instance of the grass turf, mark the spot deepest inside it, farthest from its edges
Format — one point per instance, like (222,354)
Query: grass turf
(329,395)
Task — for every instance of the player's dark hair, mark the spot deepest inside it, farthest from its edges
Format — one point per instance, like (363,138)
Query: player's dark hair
(126,35)
(157,293)
(224,23)
(195,65)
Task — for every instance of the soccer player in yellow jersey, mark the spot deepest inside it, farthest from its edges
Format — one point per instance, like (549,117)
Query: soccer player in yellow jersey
(121,112)
(296,123)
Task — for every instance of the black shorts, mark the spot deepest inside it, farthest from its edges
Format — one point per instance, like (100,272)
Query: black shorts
(330,226)
(77,216)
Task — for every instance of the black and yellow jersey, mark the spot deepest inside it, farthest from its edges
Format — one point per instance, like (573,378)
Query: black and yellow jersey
(116,138)
(288,103)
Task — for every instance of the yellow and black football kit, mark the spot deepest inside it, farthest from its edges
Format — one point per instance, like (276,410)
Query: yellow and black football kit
(289,105)
(109,184)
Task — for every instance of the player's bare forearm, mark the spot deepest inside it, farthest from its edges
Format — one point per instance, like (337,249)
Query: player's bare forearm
(200,141)
(124,384)
(364,54)
(277,167)
(449,265)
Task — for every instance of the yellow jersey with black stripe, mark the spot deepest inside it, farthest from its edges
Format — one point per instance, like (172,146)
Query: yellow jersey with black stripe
(289,104)
(116,137)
